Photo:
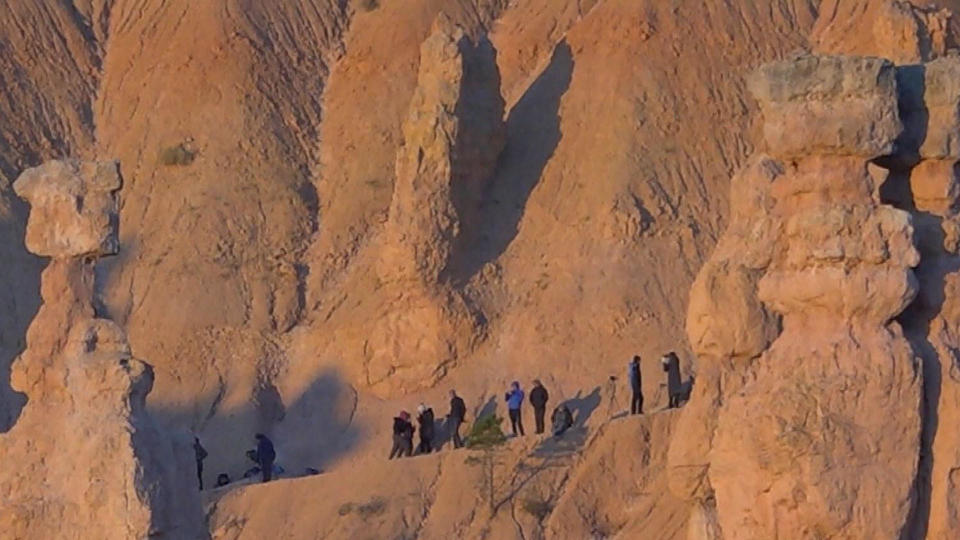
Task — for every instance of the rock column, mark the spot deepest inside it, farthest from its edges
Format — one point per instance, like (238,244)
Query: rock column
(811,411)
(85,459)
(453,134)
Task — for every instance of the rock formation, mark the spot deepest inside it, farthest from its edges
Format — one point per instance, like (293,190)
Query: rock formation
(453,135)
(818,433)
(84,455)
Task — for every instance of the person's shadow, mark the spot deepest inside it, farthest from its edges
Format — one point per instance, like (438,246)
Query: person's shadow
(583,407)
(573,439)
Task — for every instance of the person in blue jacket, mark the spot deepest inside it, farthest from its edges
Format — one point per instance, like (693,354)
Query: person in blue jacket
(514,400)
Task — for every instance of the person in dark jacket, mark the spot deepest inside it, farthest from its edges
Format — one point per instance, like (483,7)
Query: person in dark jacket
(201,454)
(402,436)
(671,365)
(425,419)
(538,399)
(514,398)
(636,385)
(458,412)
(265,456)
(562,420)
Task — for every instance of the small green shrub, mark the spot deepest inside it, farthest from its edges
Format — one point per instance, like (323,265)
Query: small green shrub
(486,433)
(178,155)
(537,508)
(373,507)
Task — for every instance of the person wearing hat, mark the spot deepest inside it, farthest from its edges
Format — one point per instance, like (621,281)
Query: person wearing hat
(402,435)
(538,399)
(514,399)
(425,419)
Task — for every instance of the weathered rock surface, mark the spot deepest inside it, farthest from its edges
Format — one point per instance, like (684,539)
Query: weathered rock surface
(903,32)
(85,455)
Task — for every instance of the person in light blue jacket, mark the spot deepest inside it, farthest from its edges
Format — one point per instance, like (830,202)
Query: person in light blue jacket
(514,400)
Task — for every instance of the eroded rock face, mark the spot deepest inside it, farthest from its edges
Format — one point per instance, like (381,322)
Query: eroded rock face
(834,380)
(84,454)
(904,32)
(453,133)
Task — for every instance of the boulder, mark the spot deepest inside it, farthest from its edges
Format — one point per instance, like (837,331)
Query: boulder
(827,105)
(74,208)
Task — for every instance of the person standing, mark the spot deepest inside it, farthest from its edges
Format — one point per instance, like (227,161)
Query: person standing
(538,399)
(425,419)
(671,364)
(402,436)
(201,454)
(514,398)
(458,411)
(636,385)
(265,456)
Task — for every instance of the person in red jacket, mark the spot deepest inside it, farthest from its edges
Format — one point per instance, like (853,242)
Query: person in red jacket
(402,436)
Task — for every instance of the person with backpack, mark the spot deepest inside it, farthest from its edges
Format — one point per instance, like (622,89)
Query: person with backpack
(538,399)
(201,454)
(223,479)
(458,412)
(562,420)
(265,456)
(636,385)
(514,398)
(402,436)
(425,419)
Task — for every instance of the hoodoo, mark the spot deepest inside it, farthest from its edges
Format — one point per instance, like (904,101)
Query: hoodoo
(85,455)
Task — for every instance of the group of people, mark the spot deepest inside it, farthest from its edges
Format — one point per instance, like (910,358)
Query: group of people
(403,429)
(561,420)
(676,390)
(264,455)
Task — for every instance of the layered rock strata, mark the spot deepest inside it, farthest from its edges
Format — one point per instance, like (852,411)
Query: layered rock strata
(453,133)
(85,455)
(813,420)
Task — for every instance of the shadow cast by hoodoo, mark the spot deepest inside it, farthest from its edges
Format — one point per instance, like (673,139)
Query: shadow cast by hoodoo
(533,133)
(308,433)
